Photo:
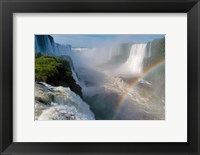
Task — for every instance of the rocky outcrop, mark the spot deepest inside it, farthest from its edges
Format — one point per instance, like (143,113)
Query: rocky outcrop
(56,71)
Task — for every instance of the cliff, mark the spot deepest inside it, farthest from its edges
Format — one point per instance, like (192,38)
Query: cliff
(45,44)
(56,71)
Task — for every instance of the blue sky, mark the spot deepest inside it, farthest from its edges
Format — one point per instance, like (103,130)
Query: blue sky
(97,40)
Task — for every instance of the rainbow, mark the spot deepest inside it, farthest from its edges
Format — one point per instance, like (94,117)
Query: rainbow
(135,81)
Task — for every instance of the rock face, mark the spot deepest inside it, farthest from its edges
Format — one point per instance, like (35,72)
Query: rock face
(56,71)
(52,69)
(46,45)
(157,48)
(59,103)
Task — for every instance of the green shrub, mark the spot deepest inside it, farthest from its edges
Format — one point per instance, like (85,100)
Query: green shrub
(52,70)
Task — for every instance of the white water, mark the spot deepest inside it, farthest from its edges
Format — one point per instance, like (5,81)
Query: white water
(134,64)
(95,57)
(66,105)
(140,103)
(149,51)
(106,85)
(48,46)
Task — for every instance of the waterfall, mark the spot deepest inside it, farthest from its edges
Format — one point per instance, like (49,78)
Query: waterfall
(37,47)
(148,52)
(135,60)
(46,45)
(63,104)
(134,63)
(112,55)
(111,52)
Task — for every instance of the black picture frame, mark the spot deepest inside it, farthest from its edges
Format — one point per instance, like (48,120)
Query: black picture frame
(8,7)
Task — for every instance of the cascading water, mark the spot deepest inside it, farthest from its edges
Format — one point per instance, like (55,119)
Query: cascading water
(134,64)
(43,44)
(149,51)
(46,45)
(105,87)
(37,46)
(111,52)
(62,104)
(103,73)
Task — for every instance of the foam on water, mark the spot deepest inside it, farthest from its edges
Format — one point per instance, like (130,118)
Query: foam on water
(66,106)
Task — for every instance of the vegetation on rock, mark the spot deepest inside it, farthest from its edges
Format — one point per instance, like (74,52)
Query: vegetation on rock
(55,71)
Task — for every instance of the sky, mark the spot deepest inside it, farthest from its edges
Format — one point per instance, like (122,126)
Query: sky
(94,40)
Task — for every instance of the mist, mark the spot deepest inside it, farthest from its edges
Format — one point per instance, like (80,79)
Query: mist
(117,77)
(106,73)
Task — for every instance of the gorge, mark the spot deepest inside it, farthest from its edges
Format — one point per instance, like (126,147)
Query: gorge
(124,81)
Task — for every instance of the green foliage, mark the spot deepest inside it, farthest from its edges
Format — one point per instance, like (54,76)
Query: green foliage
(56,71)
(52,70)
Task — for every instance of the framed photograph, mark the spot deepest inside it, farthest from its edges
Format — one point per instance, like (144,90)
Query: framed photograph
(99,77)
